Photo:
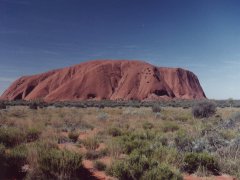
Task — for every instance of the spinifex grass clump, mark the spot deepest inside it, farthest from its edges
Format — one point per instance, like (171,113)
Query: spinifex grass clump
(60,164)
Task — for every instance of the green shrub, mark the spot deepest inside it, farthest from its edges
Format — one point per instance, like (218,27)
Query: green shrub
(147,125)
(204,109)
(99,165)
(132,168)
(138,166)
(156,108)
(114,131)
(162,172)
(193,161)
(60,163)
(73,135)
(11,136)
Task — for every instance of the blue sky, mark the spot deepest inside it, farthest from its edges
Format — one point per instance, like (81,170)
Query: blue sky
(200,35)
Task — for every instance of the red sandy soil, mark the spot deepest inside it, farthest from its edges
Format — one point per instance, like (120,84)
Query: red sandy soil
(108,79)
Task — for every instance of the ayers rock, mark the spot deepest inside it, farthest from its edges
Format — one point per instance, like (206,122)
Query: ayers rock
(107,79)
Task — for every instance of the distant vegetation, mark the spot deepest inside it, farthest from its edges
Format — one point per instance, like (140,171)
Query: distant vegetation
(156,105)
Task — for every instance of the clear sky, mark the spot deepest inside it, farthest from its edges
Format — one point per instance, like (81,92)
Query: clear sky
(200,35)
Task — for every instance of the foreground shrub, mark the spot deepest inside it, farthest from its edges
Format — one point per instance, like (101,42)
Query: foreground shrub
(194,161)
(204,109)
(60,163)
(11,136)
(140,167)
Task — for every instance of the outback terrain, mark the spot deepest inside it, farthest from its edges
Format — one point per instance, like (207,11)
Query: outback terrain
(120,142)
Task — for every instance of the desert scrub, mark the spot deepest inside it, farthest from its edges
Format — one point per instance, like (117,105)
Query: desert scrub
(91,143)
(11,136)
(194,161)
(60,164)
(204,109)
(99,165)
(73,135)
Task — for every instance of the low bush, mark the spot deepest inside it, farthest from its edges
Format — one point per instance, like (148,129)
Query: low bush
(204,109)
(194,161)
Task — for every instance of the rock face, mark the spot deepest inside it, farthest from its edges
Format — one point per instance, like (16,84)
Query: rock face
(107,79)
